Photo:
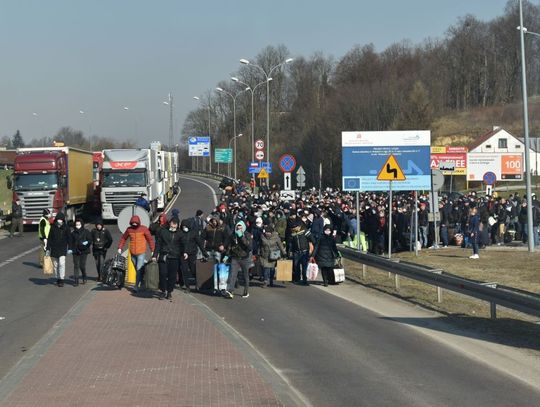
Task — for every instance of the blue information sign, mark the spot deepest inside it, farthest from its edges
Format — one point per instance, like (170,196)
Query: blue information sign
(256,166)
(365,153)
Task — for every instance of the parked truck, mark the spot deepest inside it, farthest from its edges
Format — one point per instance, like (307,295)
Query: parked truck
(127,174)
(54,178)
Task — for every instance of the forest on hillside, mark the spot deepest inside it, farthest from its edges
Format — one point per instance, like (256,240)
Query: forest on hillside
(405,86)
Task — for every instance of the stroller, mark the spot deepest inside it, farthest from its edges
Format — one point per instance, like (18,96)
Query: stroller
(114,271)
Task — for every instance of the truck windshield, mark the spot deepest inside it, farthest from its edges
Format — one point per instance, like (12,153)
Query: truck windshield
(124,179)
(35,182)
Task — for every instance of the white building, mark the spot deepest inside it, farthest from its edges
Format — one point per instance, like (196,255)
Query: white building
(499,140)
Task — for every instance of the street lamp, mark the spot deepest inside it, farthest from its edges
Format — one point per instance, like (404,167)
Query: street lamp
(210,152)
(171,130)
(83,113)
(234,138)
(530,231)
(252,90)
(267,75)
(125,108)
(233,97)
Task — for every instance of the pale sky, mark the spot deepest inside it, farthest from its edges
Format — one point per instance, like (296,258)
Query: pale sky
(62,56)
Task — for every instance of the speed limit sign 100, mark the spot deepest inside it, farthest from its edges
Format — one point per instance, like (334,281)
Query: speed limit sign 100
(259,144)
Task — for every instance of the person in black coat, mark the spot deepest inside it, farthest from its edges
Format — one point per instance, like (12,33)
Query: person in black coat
(325,254)
(101,242)
(169,252)
(190,241)
(80,243)
(57,247)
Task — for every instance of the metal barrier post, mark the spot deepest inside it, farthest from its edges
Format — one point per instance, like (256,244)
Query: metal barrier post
(364,271)
(396,282)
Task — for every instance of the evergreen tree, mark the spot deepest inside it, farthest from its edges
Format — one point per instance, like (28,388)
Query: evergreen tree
(17,140)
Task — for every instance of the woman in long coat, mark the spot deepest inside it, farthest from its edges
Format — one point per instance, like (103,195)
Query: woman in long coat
(325,254)
(270,243)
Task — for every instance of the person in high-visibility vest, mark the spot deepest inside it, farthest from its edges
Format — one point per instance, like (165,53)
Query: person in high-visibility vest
(43,233)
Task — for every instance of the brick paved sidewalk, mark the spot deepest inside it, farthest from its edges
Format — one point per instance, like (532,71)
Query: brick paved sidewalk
(128,351)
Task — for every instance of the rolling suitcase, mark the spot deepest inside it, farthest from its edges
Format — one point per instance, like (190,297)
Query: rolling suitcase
(204,280)
(151,276)
(221,275)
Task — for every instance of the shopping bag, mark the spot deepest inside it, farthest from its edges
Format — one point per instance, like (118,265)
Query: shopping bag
(312,271)
(48,268)
(284,270)
(339,275)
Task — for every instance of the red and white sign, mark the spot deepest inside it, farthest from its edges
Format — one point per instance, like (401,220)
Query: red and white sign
(259,144)
(259,155)
(123,165)
(506,167)
(455,157)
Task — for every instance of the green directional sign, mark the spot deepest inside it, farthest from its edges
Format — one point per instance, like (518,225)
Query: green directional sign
(223,155)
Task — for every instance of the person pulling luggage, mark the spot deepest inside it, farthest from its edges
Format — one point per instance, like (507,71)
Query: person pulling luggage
(191,242)
(139,241)
(169,250)
(240,255)
(101,242)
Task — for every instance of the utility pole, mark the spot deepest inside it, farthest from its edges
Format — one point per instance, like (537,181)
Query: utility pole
(171,129)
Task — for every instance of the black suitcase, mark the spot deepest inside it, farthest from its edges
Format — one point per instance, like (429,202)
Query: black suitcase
(204,280)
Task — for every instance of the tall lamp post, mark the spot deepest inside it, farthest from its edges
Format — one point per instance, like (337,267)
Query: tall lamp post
(83,113)
(252,90)
(233,97)
(234,138)
(267,75)
(170,103)
(530,231)
(208,107)
(126,109)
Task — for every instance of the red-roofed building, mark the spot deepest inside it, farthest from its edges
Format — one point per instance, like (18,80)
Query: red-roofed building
(499,140)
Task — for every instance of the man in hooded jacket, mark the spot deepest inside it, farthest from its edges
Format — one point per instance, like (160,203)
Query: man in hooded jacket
(81,240)
(240,252)
(139,240)
(191,242)
(101,242)
(57,247)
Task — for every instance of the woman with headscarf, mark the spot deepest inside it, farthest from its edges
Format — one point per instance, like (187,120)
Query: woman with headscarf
(271,250)
(325,254)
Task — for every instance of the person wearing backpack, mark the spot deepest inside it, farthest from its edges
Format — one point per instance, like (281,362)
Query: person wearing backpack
(271,250)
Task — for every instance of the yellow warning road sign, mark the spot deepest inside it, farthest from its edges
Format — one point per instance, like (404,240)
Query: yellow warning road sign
(391,171)
(263,174)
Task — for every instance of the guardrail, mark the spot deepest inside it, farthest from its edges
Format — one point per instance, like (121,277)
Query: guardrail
(211,175)
(518,300)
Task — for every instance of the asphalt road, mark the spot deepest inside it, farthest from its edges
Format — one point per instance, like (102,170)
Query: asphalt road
(334,352)
(339,354)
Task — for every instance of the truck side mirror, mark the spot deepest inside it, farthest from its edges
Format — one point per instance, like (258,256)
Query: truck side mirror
(9,182)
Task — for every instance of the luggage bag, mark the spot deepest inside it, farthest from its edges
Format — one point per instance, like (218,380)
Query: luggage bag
(151,276)
(221,275)
(204,280)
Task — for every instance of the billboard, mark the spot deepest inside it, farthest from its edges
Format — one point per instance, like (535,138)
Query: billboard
(444,158)
(199,146)
(365,153)
(505,166)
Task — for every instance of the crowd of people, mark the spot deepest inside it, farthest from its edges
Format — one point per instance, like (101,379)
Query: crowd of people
(252,231)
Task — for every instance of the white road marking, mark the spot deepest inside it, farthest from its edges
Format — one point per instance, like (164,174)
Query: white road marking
(9,261)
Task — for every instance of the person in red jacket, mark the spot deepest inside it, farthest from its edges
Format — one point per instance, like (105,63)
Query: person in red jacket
(140,240)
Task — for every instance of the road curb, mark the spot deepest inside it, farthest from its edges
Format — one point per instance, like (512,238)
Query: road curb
(282,387)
